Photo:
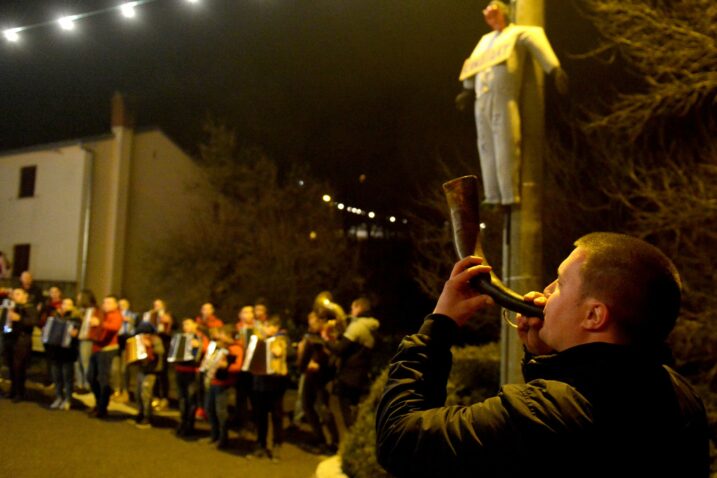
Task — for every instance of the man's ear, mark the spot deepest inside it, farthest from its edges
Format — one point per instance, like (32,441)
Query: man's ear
(597,316)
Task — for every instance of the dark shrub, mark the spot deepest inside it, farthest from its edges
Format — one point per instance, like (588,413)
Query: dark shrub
(474,377)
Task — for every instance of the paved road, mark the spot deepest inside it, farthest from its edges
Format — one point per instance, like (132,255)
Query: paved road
(38,442)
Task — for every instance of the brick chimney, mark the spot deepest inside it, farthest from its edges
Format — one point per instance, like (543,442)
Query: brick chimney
(121,114)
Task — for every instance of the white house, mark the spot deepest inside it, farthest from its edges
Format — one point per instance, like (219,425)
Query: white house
(90,212)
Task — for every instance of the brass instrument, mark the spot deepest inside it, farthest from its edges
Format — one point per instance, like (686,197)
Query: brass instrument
(463,203)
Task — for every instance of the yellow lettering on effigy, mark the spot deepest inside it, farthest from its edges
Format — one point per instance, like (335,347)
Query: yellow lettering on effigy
(483,58)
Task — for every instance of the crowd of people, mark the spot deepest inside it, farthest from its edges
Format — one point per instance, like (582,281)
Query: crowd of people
(105,347)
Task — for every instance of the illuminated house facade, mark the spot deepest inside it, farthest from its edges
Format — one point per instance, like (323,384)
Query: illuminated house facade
(89,213)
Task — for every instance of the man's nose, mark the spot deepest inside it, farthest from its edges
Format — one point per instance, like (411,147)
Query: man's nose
(549,289)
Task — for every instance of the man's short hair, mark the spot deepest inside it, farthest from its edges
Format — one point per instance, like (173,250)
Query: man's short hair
(274,320)
(364,304)
(503,7)
(638,282)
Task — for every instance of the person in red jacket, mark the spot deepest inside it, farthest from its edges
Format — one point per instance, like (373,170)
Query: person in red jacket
(207,321)
(105,347)
(221,380)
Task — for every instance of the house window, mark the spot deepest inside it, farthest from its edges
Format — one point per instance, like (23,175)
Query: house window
(20,259)
(27,181)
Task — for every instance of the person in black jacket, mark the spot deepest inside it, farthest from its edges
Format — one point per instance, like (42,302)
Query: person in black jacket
(62,357)
(17,341)
(598,400)
(353,351)
(314,362)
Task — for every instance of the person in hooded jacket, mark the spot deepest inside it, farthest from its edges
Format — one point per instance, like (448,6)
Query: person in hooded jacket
(353,349)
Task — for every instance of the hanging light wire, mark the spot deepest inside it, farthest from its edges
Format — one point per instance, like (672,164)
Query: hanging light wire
(67,22)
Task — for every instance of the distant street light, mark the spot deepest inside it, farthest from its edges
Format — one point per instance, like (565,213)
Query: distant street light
(326,198)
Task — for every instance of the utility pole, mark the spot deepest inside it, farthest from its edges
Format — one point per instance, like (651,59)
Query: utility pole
(523,226)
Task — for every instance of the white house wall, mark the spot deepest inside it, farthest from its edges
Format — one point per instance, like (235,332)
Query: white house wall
(51,220)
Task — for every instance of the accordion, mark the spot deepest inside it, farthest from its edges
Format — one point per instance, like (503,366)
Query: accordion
(5,308)
(85,327)
(127,327)
(258,358)
(135,350)
(57,332)
(211,360)
(181,350)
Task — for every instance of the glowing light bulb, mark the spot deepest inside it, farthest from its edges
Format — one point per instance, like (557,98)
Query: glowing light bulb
(371,214)
(67,23)
(392,219)
(340,206)
(326,198)
(127,9)
(11,35)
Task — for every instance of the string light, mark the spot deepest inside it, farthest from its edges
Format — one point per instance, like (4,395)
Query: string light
(360,212)
(67,23)
(127,9)
(12,34)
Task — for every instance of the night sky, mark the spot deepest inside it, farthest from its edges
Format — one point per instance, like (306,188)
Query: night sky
(350,87)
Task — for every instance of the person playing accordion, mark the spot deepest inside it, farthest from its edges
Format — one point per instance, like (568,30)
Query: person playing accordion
(187,373)
(221,368)
(19,319)
(63,324)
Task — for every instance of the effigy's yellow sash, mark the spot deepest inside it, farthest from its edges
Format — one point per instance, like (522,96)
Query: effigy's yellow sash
(480,60)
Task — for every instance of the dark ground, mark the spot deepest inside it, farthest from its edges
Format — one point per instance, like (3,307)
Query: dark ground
(38,442)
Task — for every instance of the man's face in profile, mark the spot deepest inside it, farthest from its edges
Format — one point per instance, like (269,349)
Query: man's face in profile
(565,306)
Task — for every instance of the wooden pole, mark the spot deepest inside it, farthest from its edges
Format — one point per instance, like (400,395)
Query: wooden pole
(523,235)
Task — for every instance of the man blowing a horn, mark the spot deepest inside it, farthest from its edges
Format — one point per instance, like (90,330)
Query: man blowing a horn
(598,400)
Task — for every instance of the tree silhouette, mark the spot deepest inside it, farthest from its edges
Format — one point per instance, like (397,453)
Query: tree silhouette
(270,234)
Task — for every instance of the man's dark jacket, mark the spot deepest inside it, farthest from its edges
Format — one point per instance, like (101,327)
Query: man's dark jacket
(593,410)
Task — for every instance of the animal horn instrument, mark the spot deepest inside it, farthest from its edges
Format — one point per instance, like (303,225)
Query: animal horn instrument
(462,196)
